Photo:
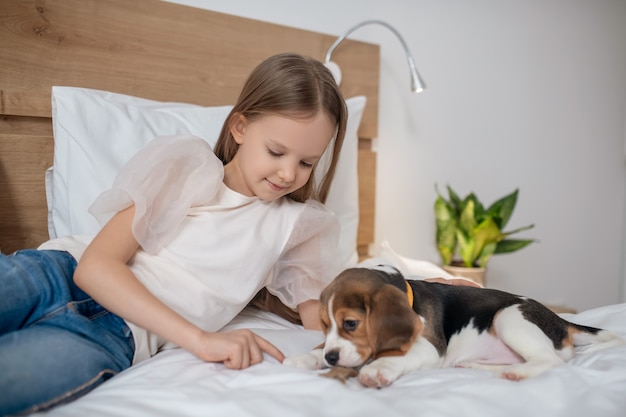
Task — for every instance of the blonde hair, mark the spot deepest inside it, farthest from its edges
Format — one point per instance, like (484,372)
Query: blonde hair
(290,85)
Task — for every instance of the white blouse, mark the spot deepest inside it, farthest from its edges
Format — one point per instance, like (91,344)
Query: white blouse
(206,250)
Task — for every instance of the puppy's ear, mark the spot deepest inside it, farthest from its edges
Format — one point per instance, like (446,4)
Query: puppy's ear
(392,325)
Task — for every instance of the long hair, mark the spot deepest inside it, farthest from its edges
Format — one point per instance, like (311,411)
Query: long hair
(294,86)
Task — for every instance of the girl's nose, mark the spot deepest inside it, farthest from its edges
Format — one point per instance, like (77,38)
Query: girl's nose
(287,173)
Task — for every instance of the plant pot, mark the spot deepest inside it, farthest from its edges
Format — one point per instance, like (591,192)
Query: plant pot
(475,274)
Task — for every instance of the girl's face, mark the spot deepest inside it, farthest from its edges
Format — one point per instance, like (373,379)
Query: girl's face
(276,154)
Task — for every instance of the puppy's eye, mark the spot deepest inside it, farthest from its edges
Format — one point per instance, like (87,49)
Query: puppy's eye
(350,325)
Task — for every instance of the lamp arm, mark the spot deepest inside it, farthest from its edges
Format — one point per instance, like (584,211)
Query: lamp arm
(417,84)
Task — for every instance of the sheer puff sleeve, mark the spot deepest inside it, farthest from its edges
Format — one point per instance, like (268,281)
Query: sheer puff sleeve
(163,180)
(310,261)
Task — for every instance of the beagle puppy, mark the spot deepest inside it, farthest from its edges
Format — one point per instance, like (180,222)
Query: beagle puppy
(385,326)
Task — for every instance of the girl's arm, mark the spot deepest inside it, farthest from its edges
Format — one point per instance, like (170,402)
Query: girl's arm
(104,274)
(454,281)
(310,314)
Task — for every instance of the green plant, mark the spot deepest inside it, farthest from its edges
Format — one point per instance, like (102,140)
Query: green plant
(464,226)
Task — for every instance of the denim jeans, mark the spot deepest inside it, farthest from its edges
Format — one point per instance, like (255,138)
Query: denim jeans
(56,343)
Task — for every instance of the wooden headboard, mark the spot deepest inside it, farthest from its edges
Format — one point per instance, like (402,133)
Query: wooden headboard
(146,48)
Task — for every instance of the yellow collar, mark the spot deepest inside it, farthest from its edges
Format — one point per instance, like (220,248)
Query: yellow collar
(409,293)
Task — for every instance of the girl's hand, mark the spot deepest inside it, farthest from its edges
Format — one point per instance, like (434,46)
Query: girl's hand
(237,349)
(455,281)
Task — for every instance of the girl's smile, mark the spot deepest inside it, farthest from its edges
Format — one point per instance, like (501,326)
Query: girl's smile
(275,186)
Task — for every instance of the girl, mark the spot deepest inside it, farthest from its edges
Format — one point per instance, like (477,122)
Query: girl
(189,237)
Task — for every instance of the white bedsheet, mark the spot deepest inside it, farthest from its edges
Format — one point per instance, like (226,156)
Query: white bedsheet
(175,383)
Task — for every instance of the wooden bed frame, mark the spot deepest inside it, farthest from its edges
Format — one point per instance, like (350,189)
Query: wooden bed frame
(146,48)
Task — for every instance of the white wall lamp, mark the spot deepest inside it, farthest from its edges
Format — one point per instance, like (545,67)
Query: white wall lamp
(417,84)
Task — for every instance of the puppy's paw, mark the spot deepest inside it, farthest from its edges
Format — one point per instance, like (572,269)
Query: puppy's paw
(311,360)
(340,373)
(379,373)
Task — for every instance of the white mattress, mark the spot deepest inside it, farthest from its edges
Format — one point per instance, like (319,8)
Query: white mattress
(175,383)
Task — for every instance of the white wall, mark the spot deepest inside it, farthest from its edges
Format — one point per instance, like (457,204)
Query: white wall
(528,94)
(623,292)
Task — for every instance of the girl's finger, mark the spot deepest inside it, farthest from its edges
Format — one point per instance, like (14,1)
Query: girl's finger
(269,348)
(256,354)
(245,358)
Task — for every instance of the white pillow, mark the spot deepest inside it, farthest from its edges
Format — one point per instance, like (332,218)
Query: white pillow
(96,132)
(343,196)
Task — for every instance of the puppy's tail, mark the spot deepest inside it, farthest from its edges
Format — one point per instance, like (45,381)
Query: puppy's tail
(591,339)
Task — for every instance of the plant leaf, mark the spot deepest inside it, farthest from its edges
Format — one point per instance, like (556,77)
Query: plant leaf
(502,209)
(445,221)
(455,201)
(485,234)
(479,211)
(486,253)
(512,245)
(520,229)
(467,220)
(466,248)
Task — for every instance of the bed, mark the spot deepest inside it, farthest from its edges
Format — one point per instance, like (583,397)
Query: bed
(121,71)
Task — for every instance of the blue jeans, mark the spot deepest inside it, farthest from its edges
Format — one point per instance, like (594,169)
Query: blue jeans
(56,343)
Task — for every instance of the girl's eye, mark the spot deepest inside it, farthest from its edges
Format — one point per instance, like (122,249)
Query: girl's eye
(274,154)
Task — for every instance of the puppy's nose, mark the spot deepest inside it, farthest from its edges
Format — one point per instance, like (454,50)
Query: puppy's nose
(332,357)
